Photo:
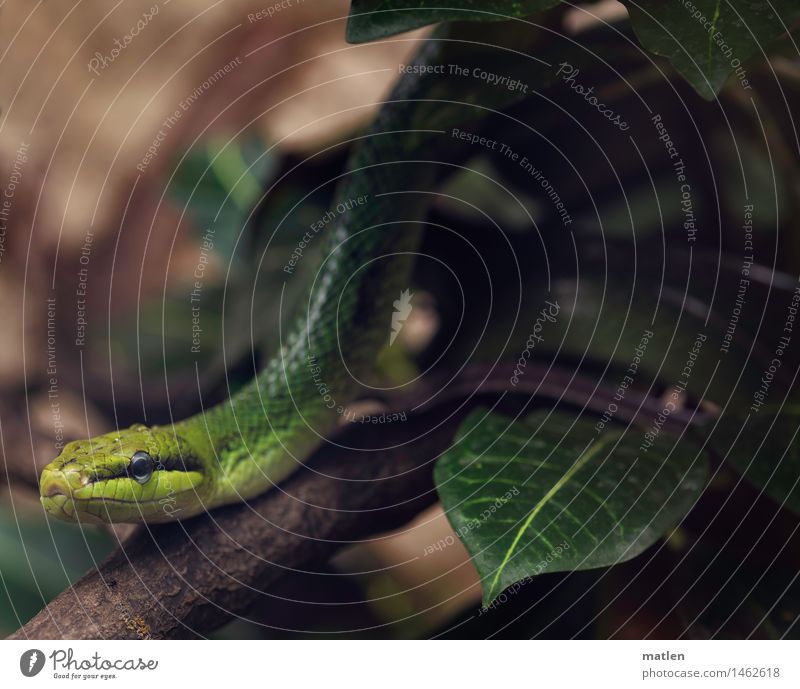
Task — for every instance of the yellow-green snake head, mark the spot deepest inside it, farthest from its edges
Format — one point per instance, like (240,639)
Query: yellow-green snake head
(139,474)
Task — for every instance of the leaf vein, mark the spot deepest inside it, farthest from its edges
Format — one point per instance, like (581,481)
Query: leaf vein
(579,463)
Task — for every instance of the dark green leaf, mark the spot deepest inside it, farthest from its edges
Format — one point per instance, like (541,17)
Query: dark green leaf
(549,493)
(708,40)
(764,447)
(621,317)
(722,587)
(604,320)
(373,19)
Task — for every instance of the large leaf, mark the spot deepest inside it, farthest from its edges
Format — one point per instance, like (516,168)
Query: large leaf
(373,19)
(765,448)
(549,494)
(708,40)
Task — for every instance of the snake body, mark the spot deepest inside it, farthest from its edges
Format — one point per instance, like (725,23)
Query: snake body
(247,444)
(258,437)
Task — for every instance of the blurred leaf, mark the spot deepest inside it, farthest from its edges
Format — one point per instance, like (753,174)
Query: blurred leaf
(612,218)
(626,317)
(513,211)
(765,448)
(165,333)
(373,19)
(550,494)
(725,592)
(768,193)
(707,40)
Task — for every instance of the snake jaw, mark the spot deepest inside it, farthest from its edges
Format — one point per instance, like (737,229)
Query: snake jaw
(91,480)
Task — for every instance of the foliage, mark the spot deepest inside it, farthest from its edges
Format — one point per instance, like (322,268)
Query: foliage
(598,498)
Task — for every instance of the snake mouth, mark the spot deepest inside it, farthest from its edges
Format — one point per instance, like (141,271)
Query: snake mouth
(61,506)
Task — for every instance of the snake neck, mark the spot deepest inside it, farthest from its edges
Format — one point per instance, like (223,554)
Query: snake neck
(269,428)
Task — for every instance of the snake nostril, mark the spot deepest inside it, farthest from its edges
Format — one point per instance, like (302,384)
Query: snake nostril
(54,490)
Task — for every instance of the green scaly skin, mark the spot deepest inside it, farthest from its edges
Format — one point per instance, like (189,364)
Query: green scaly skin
(249,443)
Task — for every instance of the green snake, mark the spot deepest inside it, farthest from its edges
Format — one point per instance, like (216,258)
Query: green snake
(249,443)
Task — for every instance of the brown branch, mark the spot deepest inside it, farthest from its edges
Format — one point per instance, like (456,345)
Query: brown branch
(555,382)
(186,579)
(542,381)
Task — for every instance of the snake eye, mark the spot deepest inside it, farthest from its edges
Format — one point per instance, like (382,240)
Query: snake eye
(141,467)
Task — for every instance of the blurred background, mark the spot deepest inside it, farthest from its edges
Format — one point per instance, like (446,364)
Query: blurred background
(127,131)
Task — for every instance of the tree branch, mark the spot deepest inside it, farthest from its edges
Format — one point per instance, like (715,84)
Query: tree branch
(188,578)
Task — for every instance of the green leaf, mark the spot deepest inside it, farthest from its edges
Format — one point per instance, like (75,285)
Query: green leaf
(611,321)
(549,493)
(373,19)
(765,448)
(708,40)
(722,591)
(219,182)
(40,558)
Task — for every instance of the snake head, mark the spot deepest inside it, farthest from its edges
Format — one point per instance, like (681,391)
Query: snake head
(139,474)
